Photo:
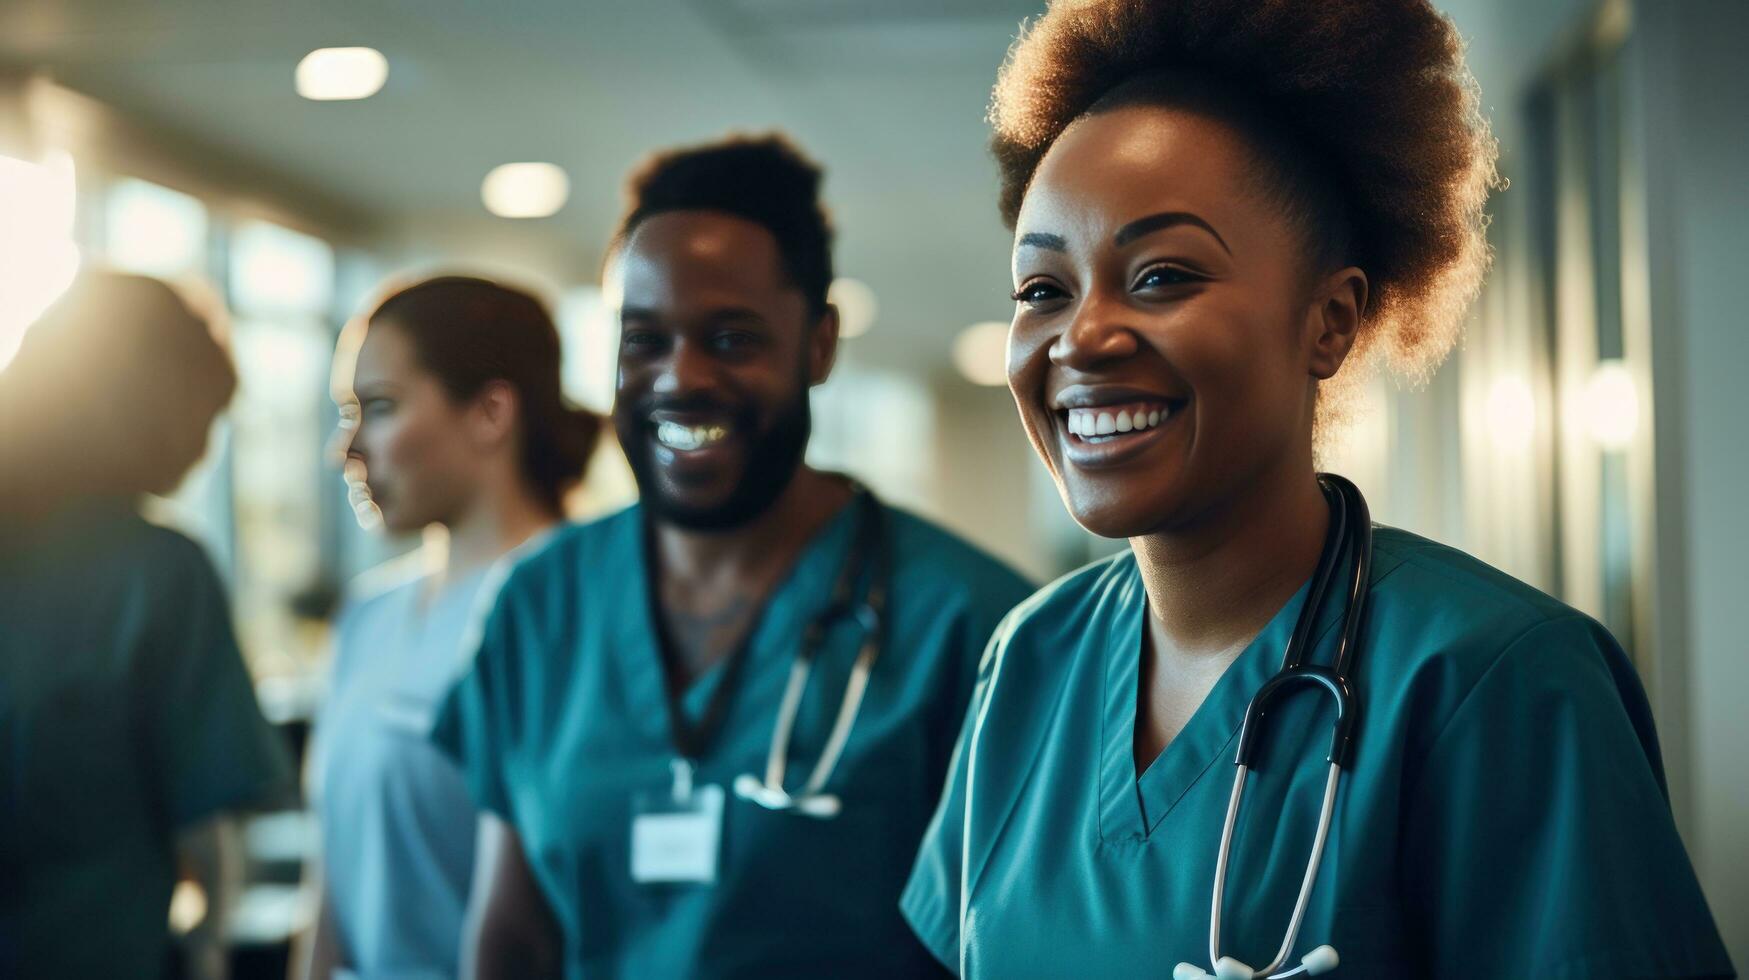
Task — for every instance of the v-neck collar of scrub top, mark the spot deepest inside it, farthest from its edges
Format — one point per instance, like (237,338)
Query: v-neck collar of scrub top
(1131,807)
(800,594)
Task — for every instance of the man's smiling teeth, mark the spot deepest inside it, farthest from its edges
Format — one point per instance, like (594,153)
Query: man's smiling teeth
(1094,422)
(689,437)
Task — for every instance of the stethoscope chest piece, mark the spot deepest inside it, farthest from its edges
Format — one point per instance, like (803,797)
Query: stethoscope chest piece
(1318,961)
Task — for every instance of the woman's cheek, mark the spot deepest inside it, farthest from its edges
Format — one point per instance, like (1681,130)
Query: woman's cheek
(404,441)
(1027,363)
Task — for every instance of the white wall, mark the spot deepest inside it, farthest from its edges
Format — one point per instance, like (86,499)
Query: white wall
(1698,192)
(1687,93)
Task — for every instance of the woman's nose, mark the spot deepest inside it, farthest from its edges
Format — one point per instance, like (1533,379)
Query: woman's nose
(1097,332)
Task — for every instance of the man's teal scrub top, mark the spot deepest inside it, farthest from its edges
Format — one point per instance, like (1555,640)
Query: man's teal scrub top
(126,715)
(1505,814)
(563,718)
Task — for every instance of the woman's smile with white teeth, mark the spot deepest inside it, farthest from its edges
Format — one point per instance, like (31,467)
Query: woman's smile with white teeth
(1107,421)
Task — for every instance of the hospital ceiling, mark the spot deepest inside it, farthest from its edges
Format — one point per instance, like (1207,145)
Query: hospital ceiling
(889,95)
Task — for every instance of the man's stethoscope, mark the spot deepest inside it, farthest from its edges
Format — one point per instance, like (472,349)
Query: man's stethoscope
(1349,539)
(812,800)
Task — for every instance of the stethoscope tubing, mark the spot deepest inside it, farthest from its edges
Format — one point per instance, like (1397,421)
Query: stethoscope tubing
(769,792)
(1350,536)
(1326,811)
(811,800)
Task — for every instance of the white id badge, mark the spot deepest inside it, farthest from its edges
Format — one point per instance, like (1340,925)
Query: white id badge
(675,841)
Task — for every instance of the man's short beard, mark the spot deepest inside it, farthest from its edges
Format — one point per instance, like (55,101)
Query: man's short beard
(772,460)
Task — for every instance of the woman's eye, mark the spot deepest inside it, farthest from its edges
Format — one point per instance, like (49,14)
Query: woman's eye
(1158,276)
(1037,292)
(377,408)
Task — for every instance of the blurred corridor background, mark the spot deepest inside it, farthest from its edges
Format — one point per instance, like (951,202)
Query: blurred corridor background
(1587,437)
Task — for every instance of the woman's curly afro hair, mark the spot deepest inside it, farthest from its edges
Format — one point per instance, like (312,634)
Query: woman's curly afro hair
(1376,91)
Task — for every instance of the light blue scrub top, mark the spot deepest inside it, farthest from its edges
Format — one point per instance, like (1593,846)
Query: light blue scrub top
(398,826)
(1505,815)
(565,717)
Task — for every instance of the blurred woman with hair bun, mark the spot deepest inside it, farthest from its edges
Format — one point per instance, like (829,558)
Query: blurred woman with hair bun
(451,415)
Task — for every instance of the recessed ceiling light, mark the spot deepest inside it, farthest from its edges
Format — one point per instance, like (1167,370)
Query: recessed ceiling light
(525,190)
(981,353)
(339,74)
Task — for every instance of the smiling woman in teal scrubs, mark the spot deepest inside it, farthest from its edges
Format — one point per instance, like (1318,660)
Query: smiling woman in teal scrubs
(1215,206)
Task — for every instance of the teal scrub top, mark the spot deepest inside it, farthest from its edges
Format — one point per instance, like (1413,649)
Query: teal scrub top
(1505,814)
(563,718)
(126,715)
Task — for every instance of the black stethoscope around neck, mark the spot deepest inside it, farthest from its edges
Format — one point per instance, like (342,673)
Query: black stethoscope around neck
(1348,541)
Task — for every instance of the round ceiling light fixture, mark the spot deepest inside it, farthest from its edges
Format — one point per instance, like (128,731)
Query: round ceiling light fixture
(525,190)
(342,74)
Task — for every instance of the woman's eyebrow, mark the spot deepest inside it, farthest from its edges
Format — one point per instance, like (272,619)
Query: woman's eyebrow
(1039,239)
(1165,219)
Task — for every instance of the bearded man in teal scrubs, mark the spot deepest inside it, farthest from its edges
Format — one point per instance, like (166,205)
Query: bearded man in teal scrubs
(708,731)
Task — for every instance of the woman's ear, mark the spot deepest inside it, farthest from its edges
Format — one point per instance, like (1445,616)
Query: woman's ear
(496,412)
(1333,321)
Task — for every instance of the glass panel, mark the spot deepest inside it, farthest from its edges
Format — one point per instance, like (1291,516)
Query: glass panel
(282,283)
(590,333)
(1615,534)
(1541,122)
(885,456)
(1580,159)
(1600,105)
(278,271)
(154,231)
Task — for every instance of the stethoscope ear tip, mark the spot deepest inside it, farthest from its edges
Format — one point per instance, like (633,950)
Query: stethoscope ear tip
(1227,968)
(822,806)
(749,788)
(1188,971)
(1320,960)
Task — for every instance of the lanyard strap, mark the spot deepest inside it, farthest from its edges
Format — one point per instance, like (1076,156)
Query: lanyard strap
(691,742)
